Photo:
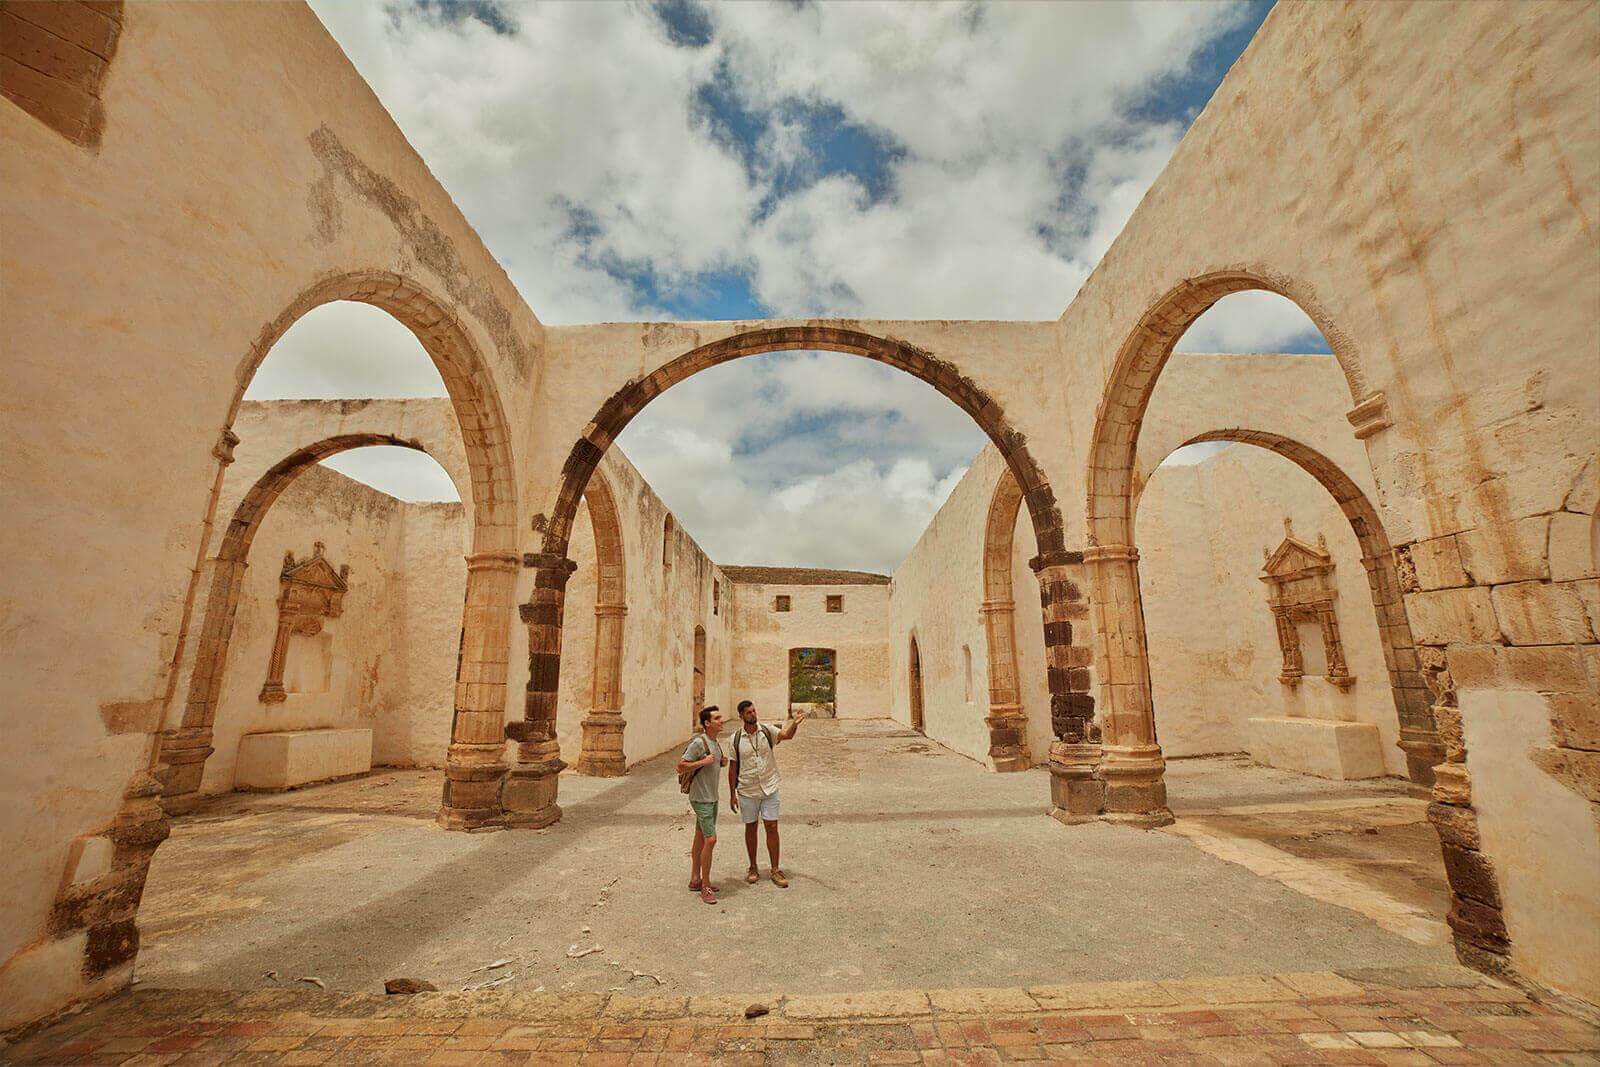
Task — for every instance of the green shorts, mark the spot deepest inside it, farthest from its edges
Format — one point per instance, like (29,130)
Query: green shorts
(705,816)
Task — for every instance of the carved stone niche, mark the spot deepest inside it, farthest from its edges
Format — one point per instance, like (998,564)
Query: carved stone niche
(1299,579)
(311,590)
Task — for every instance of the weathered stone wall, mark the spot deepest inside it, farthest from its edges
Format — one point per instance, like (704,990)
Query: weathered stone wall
(360,527)
(211,212)
(763,638)
(936,596)
(1410,167)
(1214,654)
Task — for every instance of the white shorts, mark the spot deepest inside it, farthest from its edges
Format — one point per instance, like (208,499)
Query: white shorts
(763,808)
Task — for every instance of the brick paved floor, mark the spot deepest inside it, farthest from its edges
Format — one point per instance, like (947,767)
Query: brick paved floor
(1399,1016)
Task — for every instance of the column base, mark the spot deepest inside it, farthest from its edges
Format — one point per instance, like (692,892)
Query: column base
(472,780)
(529,794)
(182,766)
(1008,744)
(1136,791)
(1076,794)
(602,755)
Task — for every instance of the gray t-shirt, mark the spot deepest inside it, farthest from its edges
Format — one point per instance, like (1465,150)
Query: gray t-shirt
(704,785)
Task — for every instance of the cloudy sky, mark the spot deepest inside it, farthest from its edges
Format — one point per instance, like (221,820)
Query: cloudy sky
(679,160)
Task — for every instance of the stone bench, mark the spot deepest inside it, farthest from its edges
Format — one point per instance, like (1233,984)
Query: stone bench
(1326,748)
(287,759)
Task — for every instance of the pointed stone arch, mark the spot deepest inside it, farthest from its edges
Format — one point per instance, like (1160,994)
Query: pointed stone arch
(1419,737)
(531,789)
(475,765)
(1008,723)
(185,749)
(602,753)
(1132,767)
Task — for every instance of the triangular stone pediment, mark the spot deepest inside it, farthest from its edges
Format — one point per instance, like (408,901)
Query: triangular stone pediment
(1294,556)
(316,571)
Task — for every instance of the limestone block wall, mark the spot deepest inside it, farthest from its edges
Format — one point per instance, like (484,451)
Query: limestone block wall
(1214,654)
(1397,210)
(763,638)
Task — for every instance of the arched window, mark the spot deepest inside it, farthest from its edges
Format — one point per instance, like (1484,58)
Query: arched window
(966,663)
(668,528)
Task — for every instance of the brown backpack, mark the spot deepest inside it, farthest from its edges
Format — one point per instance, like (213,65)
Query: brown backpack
(686,778)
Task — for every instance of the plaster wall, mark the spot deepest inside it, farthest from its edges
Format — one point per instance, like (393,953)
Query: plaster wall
(1214,654)
(762,639)
(360,527)
(1405,171)
(430,581)
(935,597)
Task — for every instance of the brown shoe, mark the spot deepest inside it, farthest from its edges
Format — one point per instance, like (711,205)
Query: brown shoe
(778,879)
(708,894)
(752,876)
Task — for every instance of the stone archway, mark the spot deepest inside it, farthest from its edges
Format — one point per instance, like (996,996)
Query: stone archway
(531,788)
(602,752)
(475,764)
(1008,724)
(1132,765)
(1419,738)
(185,749)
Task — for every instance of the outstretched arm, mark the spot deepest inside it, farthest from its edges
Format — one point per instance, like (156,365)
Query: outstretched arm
(794,724)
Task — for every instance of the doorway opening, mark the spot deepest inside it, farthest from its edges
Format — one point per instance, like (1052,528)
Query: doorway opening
(813,676)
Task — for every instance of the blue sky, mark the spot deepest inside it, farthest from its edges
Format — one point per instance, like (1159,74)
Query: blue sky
(679,160)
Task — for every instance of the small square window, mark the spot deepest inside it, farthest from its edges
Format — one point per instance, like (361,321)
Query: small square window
(835,604)
(781,604)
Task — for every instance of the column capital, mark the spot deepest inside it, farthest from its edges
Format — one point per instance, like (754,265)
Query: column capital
(611,610)
(1110,554)
(1061,558)
(548,561)
(493,561)
(994,607)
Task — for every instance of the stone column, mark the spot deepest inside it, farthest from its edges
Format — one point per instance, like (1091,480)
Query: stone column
(475,764)
(1008,726)
(272,690)
(1076,794)
(530,789)
(1132,767)
(602,753)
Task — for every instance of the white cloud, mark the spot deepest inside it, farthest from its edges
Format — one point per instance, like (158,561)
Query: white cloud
(346,349)
(577,148)
(1251,322)
(401,472)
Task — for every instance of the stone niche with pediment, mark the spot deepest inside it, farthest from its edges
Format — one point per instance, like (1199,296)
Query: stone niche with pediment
(310,591)
(1301,596)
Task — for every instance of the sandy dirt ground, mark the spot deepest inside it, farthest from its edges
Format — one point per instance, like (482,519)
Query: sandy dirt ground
(911,866)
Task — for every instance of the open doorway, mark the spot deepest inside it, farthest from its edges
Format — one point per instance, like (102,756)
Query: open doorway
(812,682)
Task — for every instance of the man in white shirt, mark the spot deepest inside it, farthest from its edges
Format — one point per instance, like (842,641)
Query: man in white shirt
(753,784)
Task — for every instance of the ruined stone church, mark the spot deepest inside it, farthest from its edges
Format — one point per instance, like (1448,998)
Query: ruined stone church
(196,606)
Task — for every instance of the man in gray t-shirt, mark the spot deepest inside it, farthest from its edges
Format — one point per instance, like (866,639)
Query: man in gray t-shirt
(703,757)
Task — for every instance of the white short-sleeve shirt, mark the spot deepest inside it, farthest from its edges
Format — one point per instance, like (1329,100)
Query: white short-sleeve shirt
(758,768)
